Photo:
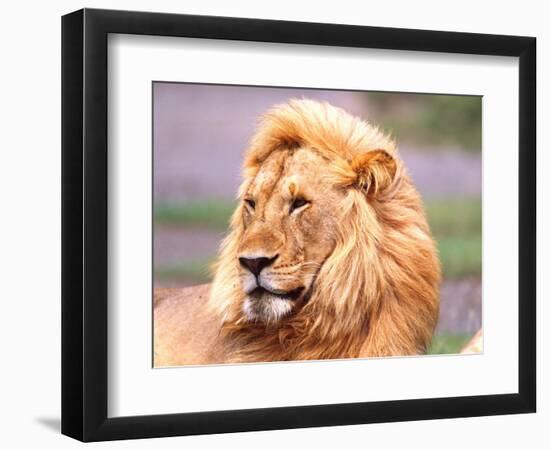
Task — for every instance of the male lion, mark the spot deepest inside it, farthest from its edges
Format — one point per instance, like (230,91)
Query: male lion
(328,255)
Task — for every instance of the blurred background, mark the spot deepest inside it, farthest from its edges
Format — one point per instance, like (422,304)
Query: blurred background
(202,131)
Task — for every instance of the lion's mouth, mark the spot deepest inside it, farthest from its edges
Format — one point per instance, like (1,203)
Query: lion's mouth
(259,292)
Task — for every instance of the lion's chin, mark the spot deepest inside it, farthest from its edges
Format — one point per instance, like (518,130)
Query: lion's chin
(267,309)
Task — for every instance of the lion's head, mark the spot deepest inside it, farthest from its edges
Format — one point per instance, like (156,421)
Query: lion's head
(328,244)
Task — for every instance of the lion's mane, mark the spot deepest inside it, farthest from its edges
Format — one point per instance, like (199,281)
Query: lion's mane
(377,294)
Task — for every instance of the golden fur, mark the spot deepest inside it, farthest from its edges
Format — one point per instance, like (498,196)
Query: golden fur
(361,252)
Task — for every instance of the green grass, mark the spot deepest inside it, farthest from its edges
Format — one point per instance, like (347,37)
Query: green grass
(446,216)
(455,224)
(448,343)
(460,256)
(195,270)
(430,120)
(454,216)
(210,213)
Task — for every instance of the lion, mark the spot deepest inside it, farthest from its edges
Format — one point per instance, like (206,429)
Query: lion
(328,255)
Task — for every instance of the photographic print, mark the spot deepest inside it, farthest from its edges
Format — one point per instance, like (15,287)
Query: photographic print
(308,224)
(295,216)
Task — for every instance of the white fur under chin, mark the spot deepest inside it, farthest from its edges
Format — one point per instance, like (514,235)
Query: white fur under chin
(272,309)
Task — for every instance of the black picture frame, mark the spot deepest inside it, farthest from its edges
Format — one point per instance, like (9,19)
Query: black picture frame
(84,224)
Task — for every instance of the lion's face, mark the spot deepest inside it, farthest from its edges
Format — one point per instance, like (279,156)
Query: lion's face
(329,247)
(290,211)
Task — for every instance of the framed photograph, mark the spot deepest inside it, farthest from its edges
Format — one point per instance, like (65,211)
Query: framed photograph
(273,224)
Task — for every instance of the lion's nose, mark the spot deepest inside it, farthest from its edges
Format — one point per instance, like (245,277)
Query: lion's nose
(255,265)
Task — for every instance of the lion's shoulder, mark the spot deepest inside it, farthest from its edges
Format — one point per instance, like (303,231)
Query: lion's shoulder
(185,332)
(165,298)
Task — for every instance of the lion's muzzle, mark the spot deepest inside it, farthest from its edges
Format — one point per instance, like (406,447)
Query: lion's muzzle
(256,265)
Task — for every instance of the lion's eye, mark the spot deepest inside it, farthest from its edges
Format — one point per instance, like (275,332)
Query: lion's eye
(298,203)
(251,203)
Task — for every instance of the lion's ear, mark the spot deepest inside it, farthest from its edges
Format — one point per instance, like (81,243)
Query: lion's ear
(374,170)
